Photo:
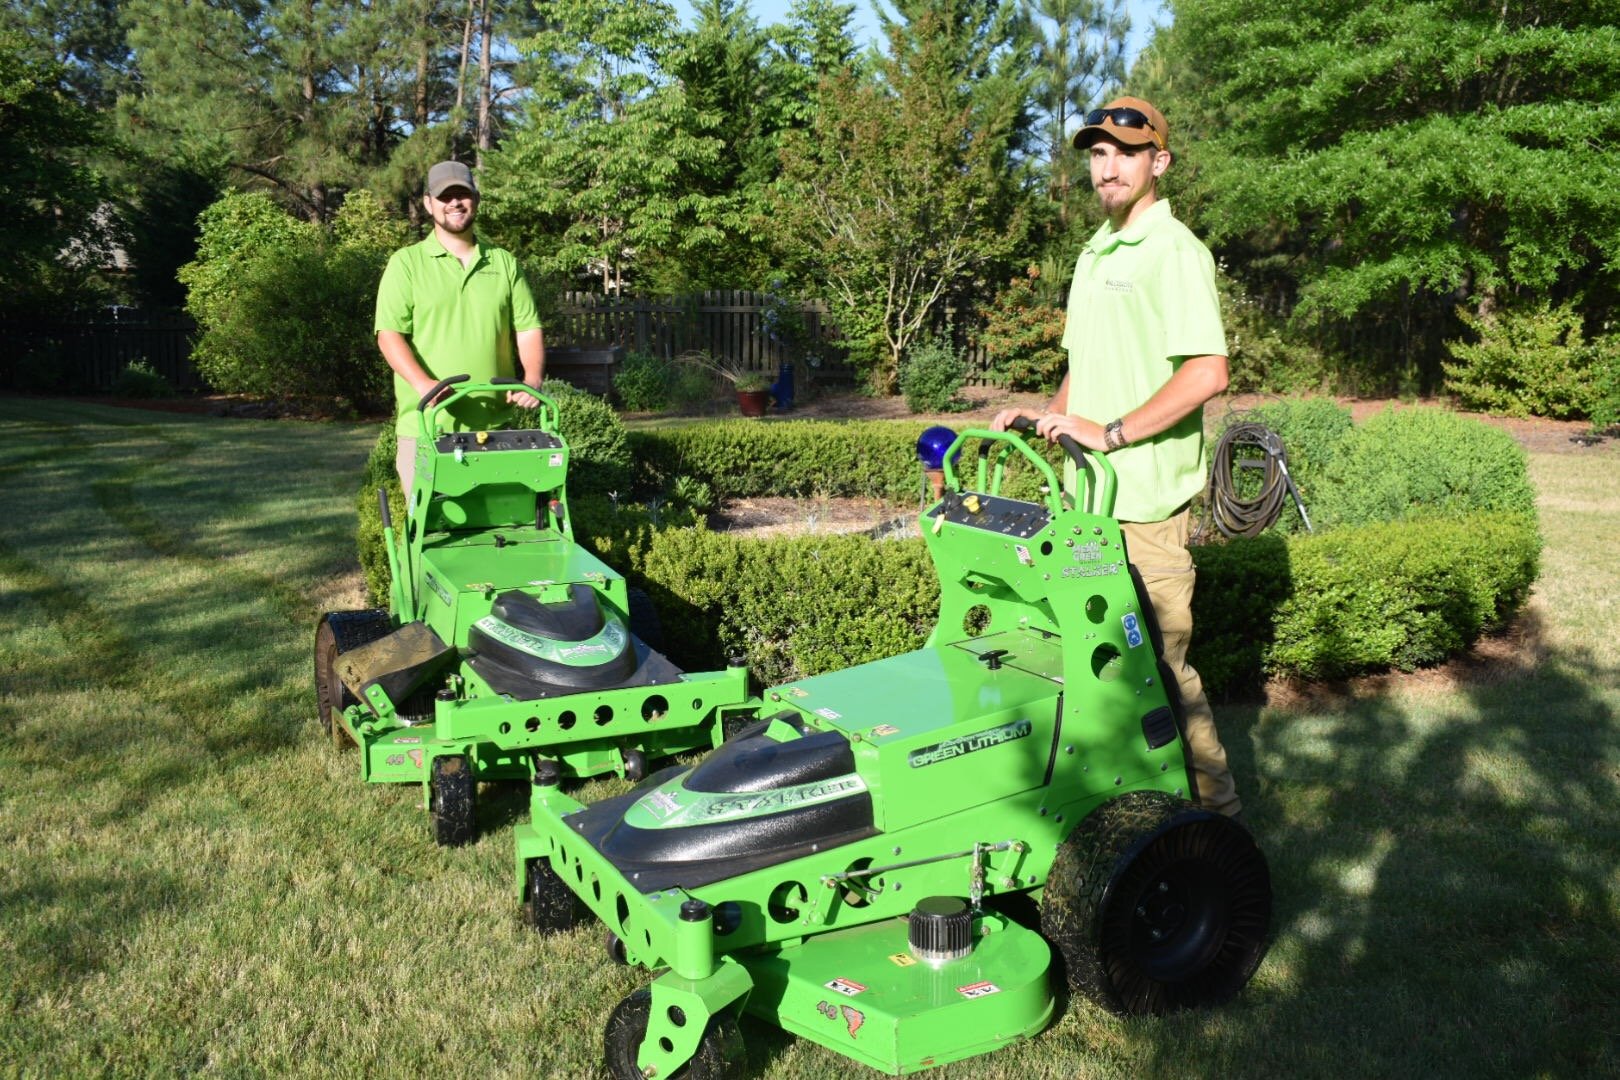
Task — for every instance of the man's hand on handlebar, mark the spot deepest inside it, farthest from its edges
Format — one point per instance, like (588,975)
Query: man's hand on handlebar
(523,399)
(425,388)
(1004,419)
(1088,433)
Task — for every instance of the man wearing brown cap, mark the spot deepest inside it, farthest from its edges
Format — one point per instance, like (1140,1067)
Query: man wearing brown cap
(453,305)
(1146,351)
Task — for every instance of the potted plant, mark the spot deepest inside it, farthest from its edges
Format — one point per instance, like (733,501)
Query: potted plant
(752,387)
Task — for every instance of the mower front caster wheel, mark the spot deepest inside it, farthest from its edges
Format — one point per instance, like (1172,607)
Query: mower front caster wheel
(453,801)
(720,1051)
(549,906)
(1157,905)
(635,766)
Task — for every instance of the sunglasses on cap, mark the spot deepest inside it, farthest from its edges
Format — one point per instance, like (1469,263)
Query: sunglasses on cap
(1123,116)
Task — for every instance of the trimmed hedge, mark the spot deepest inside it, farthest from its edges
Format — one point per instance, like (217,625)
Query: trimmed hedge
(1363,599)
(796,458)
(1357,599)
(738,458)
(1406,464)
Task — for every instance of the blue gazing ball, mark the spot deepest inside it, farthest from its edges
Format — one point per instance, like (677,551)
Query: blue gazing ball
(932,444)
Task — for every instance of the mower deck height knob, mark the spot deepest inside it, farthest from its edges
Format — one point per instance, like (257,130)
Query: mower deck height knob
(940,928)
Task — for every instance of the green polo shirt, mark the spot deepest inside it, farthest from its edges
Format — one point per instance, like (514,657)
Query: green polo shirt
(1143,300)
(459,320)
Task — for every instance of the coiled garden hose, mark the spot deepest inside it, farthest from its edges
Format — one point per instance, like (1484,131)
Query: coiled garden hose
(1234,514)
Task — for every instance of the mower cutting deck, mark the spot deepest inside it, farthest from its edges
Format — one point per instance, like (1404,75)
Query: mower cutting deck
(504,642)
(857,866)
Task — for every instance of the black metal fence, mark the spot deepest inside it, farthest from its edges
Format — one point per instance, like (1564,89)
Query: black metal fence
(87,356)
(733,325)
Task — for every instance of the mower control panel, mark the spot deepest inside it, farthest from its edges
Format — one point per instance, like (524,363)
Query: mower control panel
(1006,517)
(471,442)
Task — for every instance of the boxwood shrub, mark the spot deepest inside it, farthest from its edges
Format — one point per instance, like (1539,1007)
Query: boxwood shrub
(1362,597)
(1406,464)
(793,458)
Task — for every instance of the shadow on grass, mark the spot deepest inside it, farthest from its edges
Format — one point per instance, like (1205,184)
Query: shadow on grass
(71,926)
(172,632)
(1443,867)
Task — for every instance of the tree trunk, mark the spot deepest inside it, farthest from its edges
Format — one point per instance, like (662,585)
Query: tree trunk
(485,26)
(461,76)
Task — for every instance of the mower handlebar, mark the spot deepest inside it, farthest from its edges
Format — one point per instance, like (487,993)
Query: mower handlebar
(440,387)
(1091,465)
(459,386)
(1069,446)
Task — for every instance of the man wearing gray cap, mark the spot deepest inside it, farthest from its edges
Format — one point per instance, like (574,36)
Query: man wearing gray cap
(1146,350)
(452,305)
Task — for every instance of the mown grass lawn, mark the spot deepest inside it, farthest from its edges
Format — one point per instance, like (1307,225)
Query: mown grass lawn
(193,881)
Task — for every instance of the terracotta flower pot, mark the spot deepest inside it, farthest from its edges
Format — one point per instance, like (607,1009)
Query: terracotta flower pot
(753,402)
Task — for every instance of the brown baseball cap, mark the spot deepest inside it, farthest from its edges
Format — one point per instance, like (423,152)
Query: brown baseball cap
(1129,121)
(448,174)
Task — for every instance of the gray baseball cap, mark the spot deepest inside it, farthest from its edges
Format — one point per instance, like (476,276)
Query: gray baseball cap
(449,174)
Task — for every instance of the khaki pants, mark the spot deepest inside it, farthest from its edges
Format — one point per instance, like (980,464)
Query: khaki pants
(1158,550)
(405,464)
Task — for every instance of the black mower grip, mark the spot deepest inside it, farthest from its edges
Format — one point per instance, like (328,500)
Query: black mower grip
(382,504)
(1070,447)
(506,380)
(421,406)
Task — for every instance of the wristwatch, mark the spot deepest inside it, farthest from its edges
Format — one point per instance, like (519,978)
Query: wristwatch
(1114,434)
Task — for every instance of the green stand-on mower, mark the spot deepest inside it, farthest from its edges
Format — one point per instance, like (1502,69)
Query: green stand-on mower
(504,641)
(887,860)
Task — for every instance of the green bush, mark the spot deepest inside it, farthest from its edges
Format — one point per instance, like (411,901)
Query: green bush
(285,308)
(738,458)
(1362,599)
(1241,585)
(794,606)
(1405,464)
(138,380)
(1606,383)
(1023,337)
(1534,362)
(1264,354)
(795,458)
(932,374)
(1400,596)
(642,383)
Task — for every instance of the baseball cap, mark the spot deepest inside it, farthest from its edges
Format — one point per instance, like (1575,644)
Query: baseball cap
(449,174)
(1129,121)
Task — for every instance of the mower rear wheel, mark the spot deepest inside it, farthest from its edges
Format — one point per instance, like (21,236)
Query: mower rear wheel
(336,634)
(453,800)
(549,906)
(720,1051)
(1157,905)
